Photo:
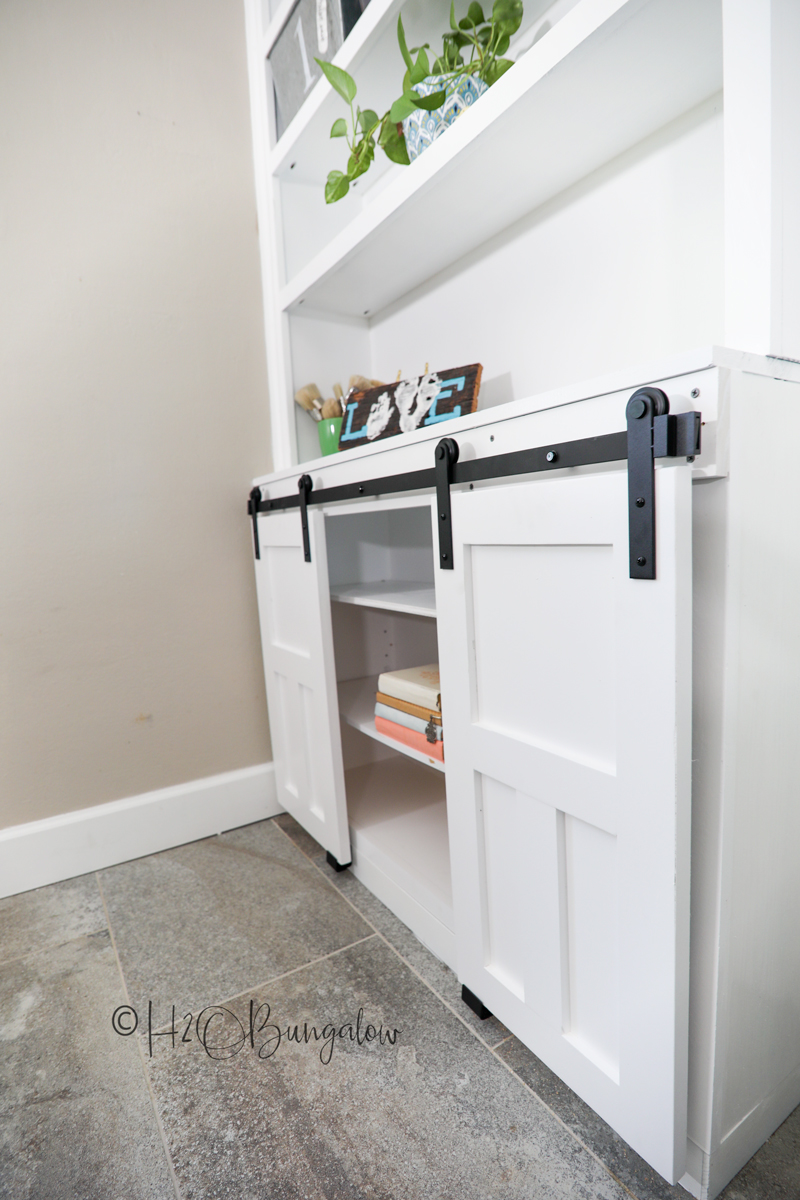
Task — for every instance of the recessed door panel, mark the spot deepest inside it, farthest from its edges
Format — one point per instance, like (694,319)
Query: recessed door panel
(592,1010)
(519,836)
(554,687)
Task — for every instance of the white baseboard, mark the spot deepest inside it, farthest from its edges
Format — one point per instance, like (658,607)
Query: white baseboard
(55,848)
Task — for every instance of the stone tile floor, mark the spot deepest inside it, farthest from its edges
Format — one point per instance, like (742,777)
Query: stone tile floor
(247,935)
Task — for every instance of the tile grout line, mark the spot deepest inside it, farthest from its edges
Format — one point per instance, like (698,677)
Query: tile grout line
(140,1048)
(563,1123)
(274,979)
(7,962)
(393,948)
(277,978)
(468,1027)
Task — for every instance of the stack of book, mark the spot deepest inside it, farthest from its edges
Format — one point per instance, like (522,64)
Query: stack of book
(408,708)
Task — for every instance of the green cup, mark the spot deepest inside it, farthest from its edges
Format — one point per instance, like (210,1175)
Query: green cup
(329,429)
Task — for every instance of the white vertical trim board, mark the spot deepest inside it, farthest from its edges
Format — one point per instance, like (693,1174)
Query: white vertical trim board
(762,175)
(55,848)
(709,1174)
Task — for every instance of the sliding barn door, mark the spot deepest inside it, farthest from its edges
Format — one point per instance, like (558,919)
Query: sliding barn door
(297,642)
(566,694)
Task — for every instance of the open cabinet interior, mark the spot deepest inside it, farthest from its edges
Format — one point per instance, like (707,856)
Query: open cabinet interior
(383,618)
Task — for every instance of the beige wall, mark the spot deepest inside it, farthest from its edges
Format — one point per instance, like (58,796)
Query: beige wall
(133,406)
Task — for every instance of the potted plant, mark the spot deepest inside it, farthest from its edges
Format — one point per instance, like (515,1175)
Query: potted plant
(433,95)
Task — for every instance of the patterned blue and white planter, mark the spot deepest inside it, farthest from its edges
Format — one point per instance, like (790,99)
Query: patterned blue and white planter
(422,128)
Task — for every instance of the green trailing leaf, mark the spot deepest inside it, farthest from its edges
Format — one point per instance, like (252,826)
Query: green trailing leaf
(408,103)
(338,185)
(403,107)
(507,15)
(449,62)
(339,80)
(432,102)
(361,158)
(483,41)
(393,143)
(368,119)
(401,37)
(422,68)
(450,57)
(496,69)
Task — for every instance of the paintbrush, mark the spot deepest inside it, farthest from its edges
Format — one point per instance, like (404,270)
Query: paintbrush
(310,399)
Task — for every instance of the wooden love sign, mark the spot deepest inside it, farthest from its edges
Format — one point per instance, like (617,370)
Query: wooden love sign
(410,404)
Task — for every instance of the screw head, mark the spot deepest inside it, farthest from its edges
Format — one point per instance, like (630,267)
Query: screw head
(443,516)
(695,393)
(636,409)
(551,456)
(360,488)
(444,554)
(641,560)
(640,501)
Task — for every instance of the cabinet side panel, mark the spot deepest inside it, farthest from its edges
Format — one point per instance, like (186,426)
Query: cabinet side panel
(759,1013)
(709,538)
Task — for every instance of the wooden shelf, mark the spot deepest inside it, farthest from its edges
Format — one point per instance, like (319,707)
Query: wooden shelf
(357,708)
(417,598)
(398,821)
(610,73)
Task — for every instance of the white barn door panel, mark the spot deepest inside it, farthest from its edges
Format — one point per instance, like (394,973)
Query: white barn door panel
(297,643)
(566,697)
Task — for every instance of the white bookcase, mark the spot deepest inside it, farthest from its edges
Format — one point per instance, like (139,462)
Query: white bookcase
(626,192)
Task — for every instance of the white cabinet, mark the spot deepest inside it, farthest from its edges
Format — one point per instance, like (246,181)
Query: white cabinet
(600,731)
(595,210)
